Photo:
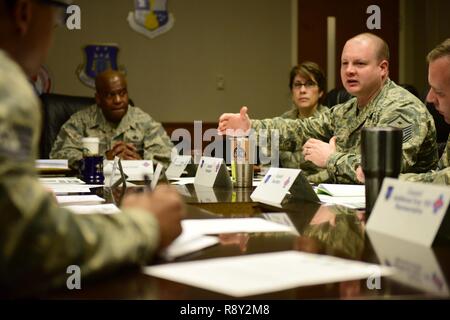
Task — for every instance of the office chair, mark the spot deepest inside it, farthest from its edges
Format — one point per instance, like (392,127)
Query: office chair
(336,96)
(56,110)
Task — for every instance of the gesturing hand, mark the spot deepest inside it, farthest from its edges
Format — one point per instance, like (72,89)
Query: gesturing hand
(234,124)
(318,151)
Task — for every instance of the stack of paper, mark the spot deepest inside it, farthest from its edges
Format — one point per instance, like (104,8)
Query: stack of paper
(108,208)
(79,200)
(348,195)
(52,164)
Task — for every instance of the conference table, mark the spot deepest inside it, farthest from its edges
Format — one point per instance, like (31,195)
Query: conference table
(327,230)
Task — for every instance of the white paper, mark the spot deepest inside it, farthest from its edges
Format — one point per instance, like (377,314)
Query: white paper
(184,246)
(177,166)
(244,275)
(68,188)
(108,208)
(79,199)
(341,190)
(275,185)
(409,210)
(52,163)
(231,225)
(61,180)
(349,202)
(183,181)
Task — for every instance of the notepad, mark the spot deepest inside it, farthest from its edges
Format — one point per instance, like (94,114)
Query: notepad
(341,190)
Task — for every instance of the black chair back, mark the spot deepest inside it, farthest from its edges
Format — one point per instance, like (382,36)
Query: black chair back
(56,110)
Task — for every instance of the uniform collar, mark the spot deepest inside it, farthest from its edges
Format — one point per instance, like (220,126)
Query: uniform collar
(105,125)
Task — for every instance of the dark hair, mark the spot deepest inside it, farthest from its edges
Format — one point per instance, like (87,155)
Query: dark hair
(308,70)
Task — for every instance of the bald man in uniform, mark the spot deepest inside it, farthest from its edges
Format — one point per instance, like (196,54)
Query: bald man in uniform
(123,130)
(332,140)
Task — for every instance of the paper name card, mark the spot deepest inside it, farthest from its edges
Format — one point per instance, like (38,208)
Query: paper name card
(409,210)
(134,169)
(212,172)
(177,166)
(278,182)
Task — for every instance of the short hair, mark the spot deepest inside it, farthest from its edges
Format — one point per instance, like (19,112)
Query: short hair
(442,50)
(308,70)
(383,48)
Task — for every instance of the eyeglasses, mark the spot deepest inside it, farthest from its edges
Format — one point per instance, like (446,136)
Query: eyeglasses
(61,10)
(308,84)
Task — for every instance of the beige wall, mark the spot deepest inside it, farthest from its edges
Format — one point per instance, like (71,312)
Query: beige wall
(424,24)
(173,77)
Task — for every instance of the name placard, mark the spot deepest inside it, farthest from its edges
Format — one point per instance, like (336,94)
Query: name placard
(212,172)
(134,169)
(278,182)
(177,166)
(410,211)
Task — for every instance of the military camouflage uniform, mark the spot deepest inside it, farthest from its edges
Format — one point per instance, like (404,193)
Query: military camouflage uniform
(440,176)
(393,106)
(136,127)
(296,159)
(38,239)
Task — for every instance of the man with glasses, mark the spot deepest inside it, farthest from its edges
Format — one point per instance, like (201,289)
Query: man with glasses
(332,141)
(38,239)
(123,130)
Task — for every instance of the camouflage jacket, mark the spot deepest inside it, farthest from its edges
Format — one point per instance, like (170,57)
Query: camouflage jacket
(439,176)
(136,127)
(296,159)
(38,239)
(393,106)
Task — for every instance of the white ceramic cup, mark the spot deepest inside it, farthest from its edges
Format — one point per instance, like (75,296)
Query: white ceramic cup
(91,145)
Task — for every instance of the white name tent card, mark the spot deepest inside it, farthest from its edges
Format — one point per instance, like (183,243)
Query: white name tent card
(409,210)
(278,182)
(212,172)
(177,166)
(134,169)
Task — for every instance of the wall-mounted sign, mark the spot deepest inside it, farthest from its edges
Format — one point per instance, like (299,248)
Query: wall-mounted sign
(150,18)
(98,58)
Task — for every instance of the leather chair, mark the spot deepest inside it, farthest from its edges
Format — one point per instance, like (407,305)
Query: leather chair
(56,110)
(336,96)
